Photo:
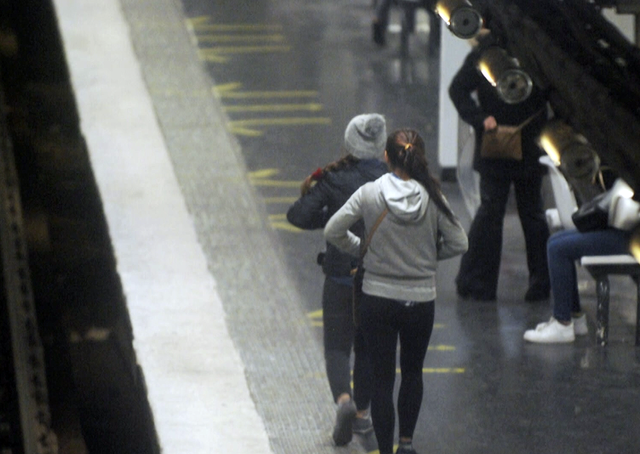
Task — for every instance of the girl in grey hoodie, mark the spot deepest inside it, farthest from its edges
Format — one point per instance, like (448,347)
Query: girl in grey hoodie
(399,281)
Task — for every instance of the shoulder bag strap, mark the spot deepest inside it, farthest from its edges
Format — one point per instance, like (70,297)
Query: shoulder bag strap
(530,119)
(365,246)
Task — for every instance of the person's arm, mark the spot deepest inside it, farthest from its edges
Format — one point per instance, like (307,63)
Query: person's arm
(337,231)
(462,86)
(309,211)
(452,238)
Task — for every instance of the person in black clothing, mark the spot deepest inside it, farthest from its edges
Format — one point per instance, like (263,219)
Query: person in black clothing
(480,266)
(323,193)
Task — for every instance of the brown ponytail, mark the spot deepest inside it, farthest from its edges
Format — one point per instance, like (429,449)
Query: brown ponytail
(406,151)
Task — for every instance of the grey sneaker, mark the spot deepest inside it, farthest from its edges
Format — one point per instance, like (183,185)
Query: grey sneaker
(343,430)
(362,426)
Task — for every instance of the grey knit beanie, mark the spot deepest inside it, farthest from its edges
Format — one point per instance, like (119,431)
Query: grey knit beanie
(366,136)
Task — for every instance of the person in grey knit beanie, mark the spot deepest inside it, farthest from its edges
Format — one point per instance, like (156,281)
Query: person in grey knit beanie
(366,136)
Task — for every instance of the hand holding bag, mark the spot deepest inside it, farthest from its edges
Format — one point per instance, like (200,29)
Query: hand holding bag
(358,272)
(504,142)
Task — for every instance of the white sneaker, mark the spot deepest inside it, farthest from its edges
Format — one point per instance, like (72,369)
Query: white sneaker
(551,332)
(580,327)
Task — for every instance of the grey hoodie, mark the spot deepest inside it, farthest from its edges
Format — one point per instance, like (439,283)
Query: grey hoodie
(403,254)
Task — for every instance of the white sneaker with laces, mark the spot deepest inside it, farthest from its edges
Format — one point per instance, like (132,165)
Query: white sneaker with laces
(551,332)
(580,327)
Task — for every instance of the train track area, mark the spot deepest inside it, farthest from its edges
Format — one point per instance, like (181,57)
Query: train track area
(25,419)
(69,379)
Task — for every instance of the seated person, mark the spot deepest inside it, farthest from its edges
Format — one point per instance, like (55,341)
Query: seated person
(563,249)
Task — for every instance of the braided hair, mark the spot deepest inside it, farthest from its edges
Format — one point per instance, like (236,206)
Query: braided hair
(406,151)
(342,163)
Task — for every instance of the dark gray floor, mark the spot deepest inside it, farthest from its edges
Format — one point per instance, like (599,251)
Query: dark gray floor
(290,74)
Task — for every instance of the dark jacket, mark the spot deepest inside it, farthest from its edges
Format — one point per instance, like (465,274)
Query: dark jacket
(313,210)
(467,81)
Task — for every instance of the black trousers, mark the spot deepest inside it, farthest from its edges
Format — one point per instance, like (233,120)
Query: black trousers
(340,337)
(385,321)
(480,265)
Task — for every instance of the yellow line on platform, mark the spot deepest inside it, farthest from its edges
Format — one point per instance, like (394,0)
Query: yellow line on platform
(293,121)
(276,200)
(274,183)
(311,107)
(228,93)
(212,52)
(440,370)
(200,27)
(442,348)
(277,38)
(263,173)
(247,127)
(283,225)
(245,132)
(315,314)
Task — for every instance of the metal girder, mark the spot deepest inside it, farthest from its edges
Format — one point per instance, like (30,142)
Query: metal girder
(590,72)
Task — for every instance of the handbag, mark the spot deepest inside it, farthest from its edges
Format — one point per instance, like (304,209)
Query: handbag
(358,272)
(593,215)
(504,142)
(613,208)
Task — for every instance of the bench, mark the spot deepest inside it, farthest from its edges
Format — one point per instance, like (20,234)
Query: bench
(600,268)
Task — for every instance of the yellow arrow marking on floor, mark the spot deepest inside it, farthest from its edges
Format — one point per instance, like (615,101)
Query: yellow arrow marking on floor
(311,107)
(215,54)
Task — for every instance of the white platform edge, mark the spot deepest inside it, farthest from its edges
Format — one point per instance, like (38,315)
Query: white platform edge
(196,383)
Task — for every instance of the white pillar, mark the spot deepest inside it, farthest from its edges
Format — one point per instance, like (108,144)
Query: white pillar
(452,53)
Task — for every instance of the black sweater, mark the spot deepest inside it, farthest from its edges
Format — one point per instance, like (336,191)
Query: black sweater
(467,81)
(313,210)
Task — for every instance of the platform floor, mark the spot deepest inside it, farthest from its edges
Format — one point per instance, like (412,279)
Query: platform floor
(223,299)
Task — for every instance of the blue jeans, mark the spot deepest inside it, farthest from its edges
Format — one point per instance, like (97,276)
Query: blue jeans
(563,249)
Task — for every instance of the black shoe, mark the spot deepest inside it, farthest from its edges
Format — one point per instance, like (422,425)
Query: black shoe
(537,293)
(343,430)
(467,294)
(378,34)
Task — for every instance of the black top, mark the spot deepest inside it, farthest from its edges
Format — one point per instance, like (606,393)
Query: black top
(468,81)
(313,210)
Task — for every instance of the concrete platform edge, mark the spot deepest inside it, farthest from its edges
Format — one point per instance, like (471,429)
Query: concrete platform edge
(196,382)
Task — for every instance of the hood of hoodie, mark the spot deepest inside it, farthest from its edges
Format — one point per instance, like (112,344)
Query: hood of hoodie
(406,200)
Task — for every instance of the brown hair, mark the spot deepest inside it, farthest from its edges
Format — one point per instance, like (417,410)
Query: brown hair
(406,152)
(345,161)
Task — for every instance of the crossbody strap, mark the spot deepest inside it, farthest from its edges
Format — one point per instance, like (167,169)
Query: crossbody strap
(365,246)
(529,120)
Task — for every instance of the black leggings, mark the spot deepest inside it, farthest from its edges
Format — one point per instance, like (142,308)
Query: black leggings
(340,336)
(383,322)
